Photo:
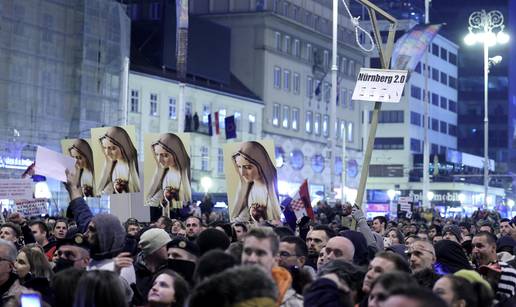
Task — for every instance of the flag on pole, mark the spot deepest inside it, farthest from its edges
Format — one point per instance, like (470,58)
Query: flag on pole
(230,127)
(412,45)
(210,128)
(298,206)
(217,128)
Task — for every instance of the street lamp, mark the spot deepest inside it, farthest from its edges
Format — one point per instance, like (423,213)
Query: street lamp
(206,183)
(486,28)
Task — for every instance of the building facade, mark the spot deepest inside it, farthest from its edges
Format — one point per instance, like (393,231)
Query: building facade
(397,160)
(61,66)
(281,50)
(153,108)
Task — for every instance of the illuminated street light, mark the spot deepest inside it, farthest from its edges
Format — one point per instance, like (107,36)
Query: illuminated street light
(206,183)
(486,28)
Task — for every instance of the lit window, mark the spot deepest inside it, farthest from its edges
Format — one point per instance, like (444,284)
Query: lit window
(252,120)
(276,114)
(277,77)
(286,116)
(295,118)
(153,104)
(172,113)
(135,101)
(308,122)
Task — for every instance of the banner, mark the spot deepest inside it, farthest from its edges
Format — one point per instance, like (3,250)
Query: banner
(412,45)
(80,150)
(230,127)
(115,160)
(35,207)
(52,164)
(251,181)
(167,171)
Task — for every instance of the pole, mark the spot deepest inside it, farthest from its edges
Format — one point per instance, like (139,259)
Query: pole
(486,117)
(181,108)
(333,99)
(426,100)
(125,89)
(344,165)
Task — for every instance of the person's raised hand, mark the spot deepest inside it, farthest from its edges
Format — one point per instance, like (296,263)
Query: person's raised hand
(357,213)
(16,218)
(123,260)
(72,184)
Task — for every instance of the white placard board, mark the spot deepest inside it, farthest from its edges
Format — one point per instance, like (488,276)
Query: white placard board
(32,207)
(16,189)
(53,164)
(382,85)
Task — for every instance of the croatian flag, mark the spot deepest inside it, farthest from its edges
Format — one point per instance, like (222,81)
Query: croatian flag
(298,206)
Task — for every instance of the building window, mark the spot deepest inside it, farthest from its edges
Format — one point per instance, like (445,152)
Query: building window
(277,77)
(237,120)
(444,78)
(444,54)
(278,41)
(286,80)
(309,86)
(317,124)
(435,99)
(435,124)
(326,58)
(204,158)
(309,53)
(444,103)
(415,118)
(308,122)
(452,82)
(418,68)
(343,65)
(327,91)
(276,110)
(286,117)
(442,150)
(135,101)
(287,46)
(349,132)
(154,11)
(172,113)
(222,117)
(444,127)
(318,90)
(325,128)
(435,49)
(415,145)
(351,68)
(205,112)
(220,161)
(154,104)
(344,98)
(415,92)
(252,123)
(435,74)
(295,119)
(452,130)
(388,143)
(452,106)
(297,48)
(452,58)
(342,130)
(297,83)
(434,149)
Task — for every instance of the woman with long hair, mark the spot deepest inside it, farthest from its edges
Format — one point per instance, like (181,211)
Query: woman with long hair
(120,172)
(257,192)
(100,288)
(80,150)
(170,184)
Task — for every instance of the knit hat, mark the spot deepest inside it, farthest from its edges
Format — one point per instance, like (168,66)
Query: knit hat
(473,276)
(506,242)
(152,240)
(455,230)
(212,238)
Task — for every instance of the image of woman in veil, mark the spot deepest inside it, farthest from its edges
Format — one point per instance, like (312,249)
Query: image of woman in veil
(120,172)
(170,184)
(257,192)
(80,150)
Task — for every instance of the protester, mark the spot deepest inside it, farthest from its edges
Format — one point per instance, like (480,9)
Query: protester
(168,289)
(193,227)
(213,262)
(10,286)
(387,283)
(414,297)
(316,239)
(183,249)
(450,257)
(240,231)
(64,285)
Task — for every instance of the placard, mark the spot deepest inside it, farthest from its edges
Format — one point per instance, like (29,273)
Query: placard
(382,85)
(52,164)
(32,207)
(80,150)
(16,189)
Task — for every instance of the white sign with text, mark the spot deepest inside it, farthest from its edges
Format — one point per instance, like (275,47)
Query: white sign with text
(382,85)
(16,189)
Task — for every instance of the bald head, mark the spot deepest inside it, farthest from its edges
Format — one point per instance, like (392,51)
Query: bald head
(339,248)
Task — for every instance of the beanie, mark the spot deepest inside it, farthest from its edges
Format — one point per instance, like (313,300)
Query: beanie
(455,230)
(212,238)
(152,240)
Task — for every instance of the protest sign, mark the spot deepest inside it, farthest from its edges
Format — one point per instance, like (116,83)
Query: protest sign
(32,207)
(16,189)
(52,164)
(382,85)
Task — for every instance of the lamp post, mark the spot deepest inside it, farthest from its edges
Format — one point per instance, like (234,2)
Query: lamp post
(486,28)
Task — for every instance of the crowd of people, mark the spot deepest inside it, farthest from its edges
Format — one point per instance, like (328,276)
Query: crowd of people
(85,260)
